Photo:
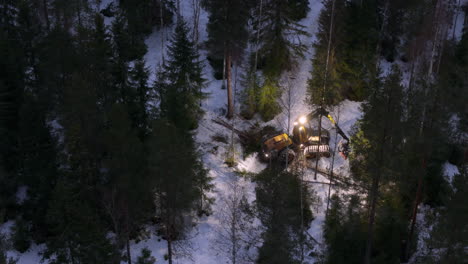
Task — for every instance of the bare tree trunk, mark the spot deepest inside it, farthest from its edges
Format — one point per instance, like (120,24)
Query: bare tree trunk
(414,215)
(374,194)
(457,10)
(230,110)
(196,20)
(129,256)
(258,36)
(161,5)
(370,227)
(373,201)
(46,14)
(169,250)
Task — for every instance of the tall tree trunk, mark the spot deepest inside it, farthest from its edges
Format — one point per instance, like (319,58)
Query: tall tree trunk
(169,249)
(375,185)
(161,5)
(457,10)
(370,227)
(230,110)
(46,14)
(129,256)
(414,215)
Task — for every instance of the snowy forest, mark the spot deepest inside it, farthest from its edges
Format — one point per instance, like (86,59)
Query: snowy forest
(233,131)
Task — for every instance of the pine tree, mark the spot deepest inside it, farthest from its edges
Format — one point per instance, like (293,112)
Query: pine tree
(227,37)
(180,82)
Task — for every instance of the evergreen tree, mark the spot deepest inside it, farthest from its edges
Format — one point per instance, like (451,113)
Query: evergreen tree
(278,50)
(378,144)
(126,196)
(279,21)
(145,257)
(77,233)
(143,15)
(349,56)
(12,67)
(138,106)
(344,231)
(250,93)
(125,47)
(450,231)
(180,82)
(279,208)
(39,163)
(227,37)
(323,86)
(101,60)
(179,182)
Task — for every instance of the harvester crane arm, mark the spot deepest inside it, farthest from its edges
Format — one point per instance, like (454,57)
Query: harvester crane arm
(343,146)
(322,112)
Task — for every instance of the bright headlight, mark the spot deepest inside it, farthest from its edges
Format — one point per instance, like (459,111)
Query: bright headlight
(302,119)
(266,155)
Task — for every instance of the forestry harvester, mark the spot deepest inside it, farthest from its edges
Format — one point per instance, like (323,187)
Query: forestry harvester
(314,143)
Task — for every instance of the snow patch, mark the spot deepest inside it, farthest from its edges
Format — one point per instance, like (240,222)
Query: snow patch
(450,170)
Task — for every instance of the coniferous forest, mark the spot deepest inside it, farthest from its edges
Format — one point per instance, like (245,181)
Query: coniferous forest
(233,131)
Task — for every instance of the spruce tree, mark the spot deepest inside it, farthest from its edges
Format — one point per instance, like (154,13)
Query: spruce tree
(77,233)
(180,82)
(279,209)
(179,182)
(279,21)
(145,257)
(139,101)
(323,85)
(450,231)
(278,51)
(377,145)
(126,196)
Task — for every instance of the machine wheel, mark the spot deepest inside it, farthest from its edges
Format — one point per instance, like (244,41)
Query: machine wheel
(287,155)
